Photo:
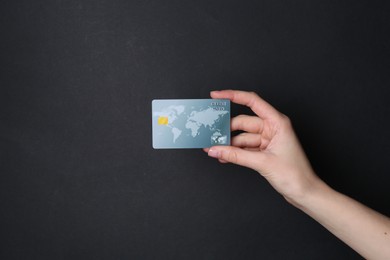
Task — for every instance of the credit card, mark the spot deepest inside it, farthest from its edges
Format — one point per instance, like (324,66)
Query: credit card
(190,123)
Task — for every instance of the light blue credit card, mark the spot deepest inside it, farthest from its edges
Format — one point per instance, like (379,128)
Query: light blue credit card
(190,123)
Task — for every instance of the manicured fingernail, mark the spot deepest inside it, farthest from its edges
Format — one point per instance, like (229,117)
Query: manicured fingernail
(214,153)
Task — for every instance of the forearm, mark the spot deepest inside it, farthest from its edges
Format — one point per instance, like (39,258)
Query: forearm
(363,229)
(270,147)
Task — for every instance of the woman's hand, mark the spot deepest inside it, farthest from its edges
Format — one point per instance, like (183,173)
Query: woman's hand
(268,146)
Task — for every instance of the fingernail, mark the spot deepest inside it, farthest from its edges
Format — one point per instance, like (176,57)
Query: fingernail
(214,153)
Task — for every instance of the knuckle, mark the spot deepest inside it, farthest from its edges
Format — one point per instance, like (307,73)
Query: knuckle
(242,142)
(238,119)
(232,156)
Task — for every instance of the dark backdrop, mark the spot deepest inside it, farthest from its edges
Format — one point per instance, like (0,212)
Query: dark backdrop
(78,176)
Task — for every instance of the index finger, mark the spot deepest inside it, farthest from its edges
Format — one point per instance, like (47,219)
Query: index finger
(250,99)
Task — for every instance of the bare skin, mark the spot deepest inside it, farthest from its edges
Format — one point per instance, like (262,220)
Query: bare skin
(270,147)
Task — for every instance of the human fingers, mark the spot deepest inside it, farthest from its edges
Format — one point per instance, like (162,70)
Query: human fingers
(248,140)
(252,124)
(250,99)
(220,160)
(232,154)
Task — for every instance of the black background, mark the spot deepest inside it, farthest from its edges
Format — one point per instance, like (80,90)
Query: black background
(79,178)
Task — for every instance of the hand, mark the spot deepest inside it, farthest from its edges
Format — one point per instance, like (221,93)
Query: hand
(268,146)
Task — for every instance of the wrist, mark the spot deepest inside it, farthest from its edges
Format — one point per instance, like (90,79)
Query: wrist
(308,193)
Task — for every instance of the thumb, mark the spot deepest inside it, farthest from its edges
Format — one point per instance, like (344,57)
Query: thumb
(232,154)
